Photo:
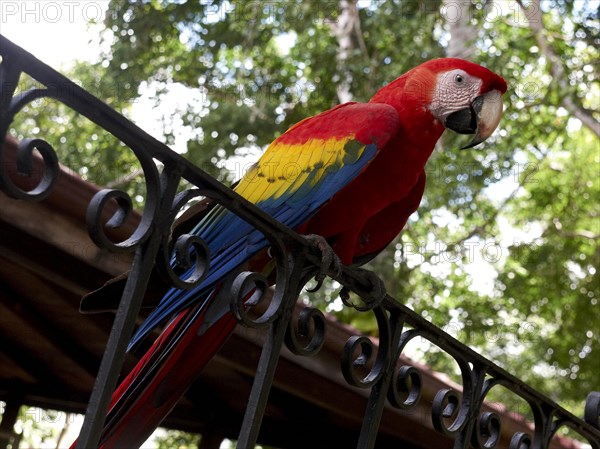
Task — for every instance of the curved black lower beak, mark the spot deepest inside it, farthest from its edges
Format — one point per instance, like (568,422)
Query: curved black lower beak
(480,118)
(465,120)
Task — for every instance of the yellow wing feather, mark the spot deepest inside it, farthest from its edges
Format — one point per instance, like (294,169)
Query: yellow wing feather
(285,168)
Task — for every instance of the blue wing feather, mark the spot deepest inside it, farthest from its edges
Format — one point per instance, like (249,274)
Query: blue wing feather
(232,241)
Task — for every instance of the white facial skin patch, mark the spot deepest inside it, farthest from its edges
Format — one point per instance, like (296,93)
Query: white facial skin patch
(455,90)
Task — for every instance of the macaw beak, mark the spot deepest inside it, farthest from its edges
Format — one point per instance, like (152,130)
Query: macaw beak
(480,118)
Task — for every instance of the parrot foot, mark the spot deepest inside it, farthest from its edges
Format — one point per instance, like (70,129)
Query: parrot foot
(329,259)
(376,292)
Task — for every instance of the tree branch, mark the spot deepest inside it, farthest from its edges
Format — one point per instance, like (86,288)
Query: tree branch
(125,179)
(557,69)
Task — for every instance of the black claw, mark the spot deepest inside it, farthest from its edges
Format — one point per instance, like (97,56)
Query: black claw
(316,287)
(377,288)
(375,292)
(329,259)
(336,265)
(345,297)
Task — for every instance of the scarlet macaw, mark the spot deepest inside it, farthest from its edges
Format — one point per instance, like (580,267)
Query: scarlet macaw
(352,174)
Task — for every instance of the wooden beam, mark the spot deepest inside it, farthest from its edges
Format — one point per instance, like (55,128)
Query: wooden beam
(211,440)
(50,333)
(42,396)
(67,235)
(23,341)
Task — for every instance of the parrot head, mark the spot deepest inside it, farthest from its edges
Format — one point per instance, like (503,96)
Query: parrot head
(460,95)
(467,98)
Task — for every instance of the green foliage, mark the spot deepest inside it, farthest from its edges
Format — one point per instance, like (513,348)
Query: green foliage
(38,427)
(177,439)
(554,279)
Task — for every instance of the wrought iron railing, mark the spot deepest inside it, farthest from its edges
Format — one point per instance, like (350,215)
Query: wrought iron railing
(460,415)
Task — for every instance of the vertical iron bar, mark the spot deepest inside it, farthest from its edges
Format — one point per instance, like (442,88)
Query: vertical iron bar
(377,398)
(473,404)
(9,79)
(114,355)
(131,301)
(373,413)
(542,418)
(269,357)
(9,418)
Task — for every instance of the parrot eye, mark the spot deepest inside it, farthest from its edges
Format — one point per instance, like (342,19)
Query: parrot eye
(459,79)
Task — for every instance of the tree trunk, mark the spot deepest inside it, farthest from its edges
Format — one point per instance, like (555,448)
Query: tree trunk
(462,32)
(342,29)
